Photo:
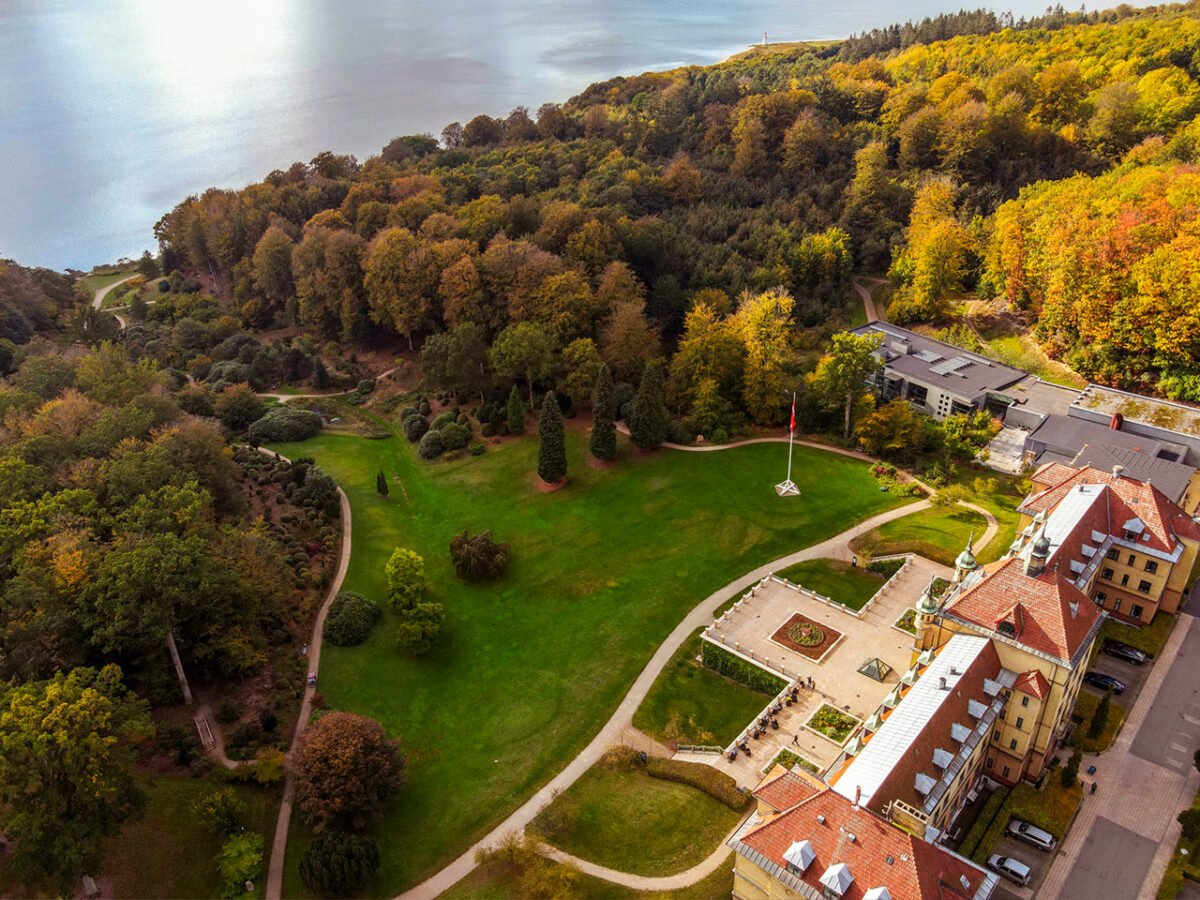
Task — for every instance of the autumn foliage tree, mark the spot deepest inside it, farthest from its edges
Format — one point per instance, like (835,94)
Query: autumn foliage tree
(346,770)
(67,746)
(841,374)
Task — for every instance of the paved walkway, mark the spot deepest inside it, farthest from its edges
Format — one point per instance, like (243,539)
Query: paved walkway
(279,845)
(868,296)
(622,718)
(101,293)
(1135,794)
(698,872)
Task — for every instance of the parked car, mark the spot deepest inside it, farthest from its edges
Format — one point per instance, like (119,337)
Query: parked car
(1124,651)
(1012,869)
(1104,682)
(1032,835)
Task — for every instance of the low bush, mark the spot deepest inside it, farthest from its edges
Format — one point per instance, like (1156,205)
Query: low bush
(407,411)
(282,423)
(679,433)
(464,420)
(365,386)
(423,408)
(229,711)
(478,557)
(415,427)
(431,446)
(725,663)
(351,618)
(713,782)
(885,568)
(455,436)
(486,430)
(477,449)
(449,417)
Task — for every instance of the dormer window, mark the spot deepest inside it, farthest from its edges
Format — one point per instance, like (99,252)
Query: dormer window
(799,857)
(1007,629)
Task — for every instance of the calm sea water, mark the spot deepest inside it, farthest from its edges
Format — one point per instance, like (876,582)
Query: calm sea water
(111,111)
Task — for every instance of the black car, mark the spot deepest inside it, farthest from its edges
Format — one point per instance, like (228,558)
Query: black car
(1124,651)
(1104,682)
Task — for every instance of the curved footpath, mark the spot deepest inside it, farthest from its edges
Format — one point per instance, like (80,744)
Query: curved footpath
(622,718)
(101,293)
(868,296)
(279,845)
(698,872)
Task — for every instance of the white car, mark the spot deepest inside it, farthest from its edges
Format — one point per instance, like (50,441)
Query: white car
(1032,835)
(1012,869)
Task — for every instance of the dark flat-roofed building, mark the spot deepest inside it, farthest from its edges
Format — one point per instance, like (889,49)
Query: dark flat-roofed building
(937,378)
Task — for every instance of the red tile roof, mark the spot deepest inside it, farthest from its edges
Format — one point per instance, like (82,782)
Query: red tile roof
(1128,498)
(783,789)
(917,870)
(1033,683)
(1038,608)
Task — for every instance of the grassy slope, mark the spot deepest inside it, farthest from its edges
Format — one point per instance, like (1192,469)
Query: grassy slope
(628,821)
(936,533)
(528,669)
(93,283)
(695,694)
(494,882)
(835,579)
(168,853)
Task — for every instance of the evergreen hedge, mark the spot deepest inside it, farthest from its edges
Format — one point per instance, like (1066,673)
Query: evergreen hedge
(713,782)
(725,663)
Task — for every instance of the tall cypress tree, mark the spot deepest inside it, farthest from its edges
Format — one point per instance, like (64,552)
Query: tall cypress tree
(552,448)
(381,484)
(603,442)
(516,412)
(649,418)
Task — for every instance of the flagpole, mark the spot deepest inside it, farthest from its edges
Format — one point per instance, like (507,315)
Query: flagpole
(788,487)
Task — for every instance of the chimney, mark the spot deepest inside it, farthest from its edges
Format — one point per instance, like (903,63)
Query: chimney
(1116,422)
(857,795)
(941,682)
(1117,470)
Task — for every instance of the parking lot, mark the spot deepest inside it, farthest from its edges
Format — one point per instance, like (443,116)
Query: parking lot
(1131,675)
(1038,861)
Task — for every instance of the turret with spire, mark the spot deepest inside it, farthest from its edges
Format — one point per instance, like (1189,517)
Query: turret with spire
(966,562)
(926,619)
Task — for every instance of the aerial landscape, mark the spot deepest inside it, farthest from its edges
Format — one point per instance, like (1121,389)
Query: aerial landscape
(634,456)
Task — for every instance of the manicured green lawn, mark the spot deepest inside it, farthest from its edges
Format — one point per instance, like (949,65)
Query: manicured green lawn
(849,585)
(168,853)
(938,534)
(628,821)
(93,283)
(495,881)
(1148,638)
(1085,708)
(528,669)
(694,705)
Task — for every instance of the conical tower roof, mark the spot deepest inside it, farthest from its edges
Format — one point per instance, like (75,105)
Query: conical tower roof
(927,605)
(966,560)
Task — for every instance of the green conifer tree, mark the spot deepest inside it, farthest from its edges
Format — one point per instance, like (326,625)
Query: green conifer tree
(603,442)
(552,449)
(1100,716)
(650,416)
(516,412)
(381,484)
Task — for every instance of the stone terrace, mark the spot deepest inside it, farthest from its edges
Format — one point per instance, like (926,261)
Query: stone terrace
(836,677)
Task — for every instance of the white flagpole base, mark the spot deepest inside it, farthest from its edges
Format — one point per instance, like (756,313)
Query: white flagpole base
(787,489)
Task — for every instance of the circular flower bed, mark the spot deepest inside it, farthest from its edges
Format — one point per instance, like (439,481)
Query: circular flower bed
(806,634)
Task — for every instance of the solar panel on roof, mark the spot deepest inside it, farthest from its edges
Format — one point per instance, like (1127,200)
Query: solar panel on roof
(928,356)
(950,366)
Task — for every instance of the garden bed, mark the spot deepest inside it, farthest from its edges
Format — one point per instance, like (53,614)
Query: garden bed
(907,621)
(802,635)
(832,723)
(790,760)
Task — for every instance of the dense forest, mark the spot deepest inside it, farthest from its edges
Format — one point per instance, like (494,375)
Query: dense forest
(645,197)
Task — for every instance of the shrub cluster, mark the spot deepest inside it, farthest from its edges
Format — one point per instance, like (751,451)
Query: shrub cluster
(351,618)
(282,423)
(715,783)
(731,666)
(431,446)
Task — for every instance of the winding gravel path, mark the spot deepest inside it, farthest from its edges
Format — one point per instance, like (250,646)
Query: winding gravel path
(279,845)
(101,293)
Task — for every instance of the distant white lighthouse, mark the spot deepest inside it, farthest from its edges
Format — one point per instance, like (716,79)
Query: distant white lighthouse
(764,39)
